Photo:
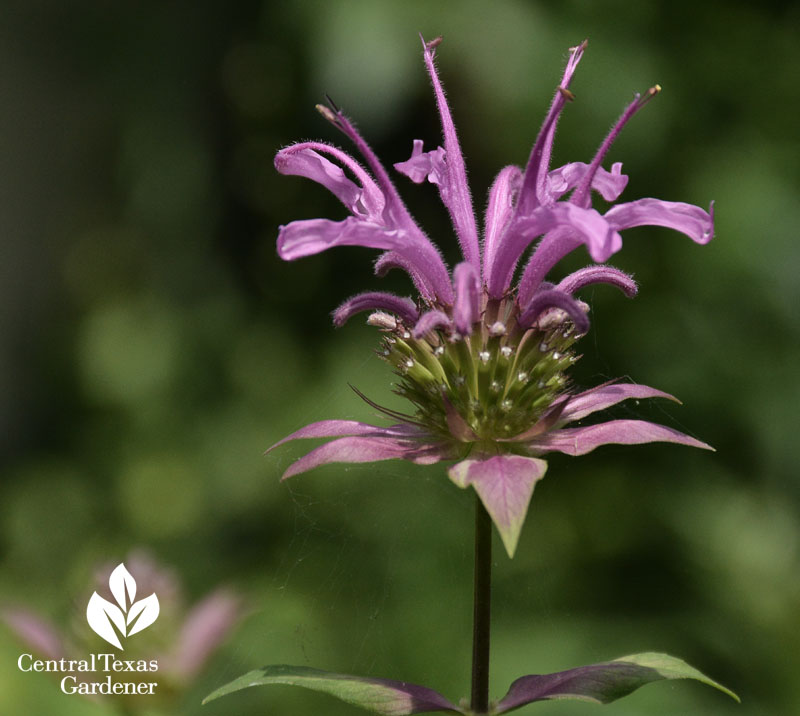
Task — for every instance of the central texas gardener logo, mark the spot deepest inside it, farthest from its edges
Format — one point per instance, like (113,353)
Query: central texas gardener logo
(114,622)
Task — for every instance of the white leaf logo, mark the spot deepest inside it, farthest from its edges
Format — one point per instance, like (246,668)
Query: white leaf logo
(126,617)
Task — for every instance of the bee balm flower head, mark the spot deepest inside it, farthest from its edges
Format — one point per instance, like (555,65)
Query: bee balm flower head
(483,352)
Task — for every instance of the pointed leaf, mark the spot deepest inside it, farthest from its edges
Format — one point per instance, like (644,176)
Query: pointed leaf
(121,582)
(100,613)
(382,696)
(602,683)
(146,610)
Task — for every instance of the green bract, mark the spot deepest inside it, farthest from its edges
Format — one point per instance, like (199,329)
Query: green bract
(486,387)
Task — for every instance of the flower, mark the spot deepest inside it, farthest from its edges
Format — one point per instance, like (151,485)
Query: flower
(483,361)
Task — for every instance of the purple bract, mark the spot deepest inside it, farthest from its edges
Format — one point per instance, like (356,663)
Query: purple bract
(483,359)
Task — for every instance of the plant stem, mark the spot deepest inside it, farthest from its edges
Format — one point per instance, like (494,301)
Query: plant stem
(481,615)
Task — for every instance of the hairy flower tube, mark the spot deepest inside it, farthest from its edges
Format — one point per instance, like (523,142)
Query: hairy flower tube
(483,352)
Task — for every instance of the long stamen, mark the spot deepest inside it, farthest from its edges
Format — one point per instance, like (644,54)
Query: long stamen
(582,194)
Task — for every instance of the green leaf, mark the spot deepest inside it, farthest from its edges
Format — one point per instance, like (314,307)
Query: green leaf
(382,696)
(670,667)
(602,683)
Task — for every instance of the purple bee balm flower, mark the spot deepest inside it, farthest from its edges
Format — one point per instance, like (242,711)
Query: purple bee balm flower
(482,359)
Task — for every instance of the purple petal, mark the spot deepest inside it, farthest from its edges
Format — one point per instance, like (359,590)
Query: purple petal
(424,165)
(553,298)
(563,179)
(579,441)
(393,260)
(349,428)
(598,274)
(312,236)
(383,696)
(601,239)
(604,396)
(609,184)
(365,449)
(424,256)
(403,308)
(691,220)
(553,247)
(431,321)
(204,629)
(454,189)
(304,159)
(33,631)
(602,683)
(505,485)
(575,225)
(581,196)
(466,309)
(396,213)
(533,191)
(502,202)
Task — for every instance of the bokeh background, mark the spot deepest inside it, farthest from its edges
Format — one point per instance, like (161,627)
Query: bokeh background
(153,345)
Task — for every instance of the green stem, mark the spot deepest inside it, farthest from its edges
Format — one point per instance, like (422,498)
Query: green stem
(482,609)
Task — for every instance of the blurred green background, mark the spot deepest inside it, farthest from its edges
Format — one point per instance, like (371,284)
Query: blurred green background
(153,345)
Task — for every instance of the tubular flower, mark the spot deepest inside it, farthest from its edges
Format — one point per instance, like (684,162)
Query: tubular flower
(483,360)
